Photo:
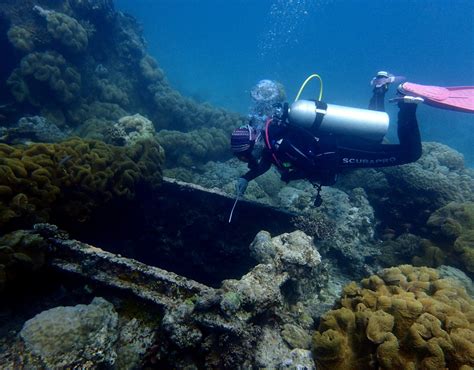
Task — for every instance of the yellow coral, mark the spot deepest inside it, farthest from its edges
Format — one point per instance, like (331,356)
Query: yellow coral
(404,318)
(45,181)
(452,228)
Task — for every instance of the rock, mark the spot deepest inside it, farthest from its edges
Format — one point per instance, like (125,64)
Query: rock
(271,349)
(290,252)
(178,324)
(135,338)
(299,359)
(70,336)
(296,337)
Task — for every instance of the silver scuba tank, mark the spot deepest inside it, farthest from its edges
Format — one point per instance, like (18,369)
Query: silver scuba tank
(321,118)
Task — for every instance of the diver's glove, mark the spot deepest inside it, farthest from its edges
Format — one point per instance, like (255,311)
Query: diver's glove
(241,186)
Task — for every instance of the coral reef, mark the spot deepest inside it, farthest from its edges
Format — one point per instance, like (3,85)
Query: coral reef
(36,129)
(109,92)
(194,147)
(345,221)
(43,72)
(48,181)
(21,38)
(62,335)
(405,196)
(452,237)
(350,223)
(73,58)
(64,29)
(21,254)
(173,111)
(131,129)
(315,224)
(403,318)
(276,302)
(400,250)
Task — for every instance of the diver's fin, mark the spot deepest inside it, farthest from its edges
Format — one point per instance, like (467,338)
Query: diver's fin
(458,98)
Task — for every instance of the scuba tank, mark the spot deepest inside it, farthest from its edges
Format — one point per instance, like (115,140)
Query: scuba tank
(322,118)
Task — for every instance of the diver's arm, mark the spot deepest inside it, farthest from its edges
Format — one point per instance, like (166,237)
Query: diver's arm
(260,167)
(384,155)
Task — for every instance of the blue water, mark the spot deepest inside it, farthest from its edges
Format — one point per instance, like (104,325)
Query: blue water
(215,50)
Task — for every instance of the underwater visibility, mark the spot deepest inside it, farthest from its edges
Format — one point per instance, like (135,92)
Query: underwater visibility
(274,184)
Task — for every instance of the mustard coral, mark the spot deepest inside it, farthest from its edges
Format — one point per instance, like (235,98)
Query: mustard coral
(52,181)
(403,318)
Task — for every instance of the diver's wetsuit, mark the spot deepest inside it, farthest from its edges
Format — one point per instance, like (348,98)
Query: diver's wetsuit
(299,155)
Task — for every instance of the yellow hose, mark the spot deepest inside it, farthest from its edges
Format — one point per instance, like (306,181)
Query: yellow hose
(304,85)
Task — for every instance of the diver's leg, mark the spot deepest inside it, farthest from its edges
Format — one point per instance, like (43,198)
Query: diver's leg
(356,155)
(408,131)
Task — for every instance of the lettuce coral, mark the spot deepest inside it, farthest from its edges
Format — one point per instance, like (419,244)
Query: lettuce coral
(403,318)
(53,181)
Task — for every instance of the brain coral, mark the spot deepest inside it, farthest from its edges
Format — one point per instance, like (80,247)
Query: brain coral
(52,181)
(403,318)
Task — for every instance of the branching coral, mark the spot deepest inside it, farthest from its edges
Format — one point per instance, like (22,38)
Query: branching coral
(42,70)
(404,318)
(50,181)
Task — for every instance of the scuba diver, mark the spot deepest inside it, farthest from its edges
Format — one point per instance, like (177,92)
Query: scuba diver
(313,140)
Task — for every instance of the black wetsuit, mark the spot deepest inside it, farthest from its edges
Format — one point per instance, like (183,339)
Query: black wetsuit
(299,155)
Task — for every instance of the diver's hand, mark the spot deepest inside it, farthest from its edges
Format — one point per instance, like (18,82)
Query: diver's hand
(241,186)
(382,80)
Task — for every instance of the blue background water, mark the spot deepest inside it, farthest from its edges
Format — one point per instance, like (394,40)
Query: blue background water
(215,50)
